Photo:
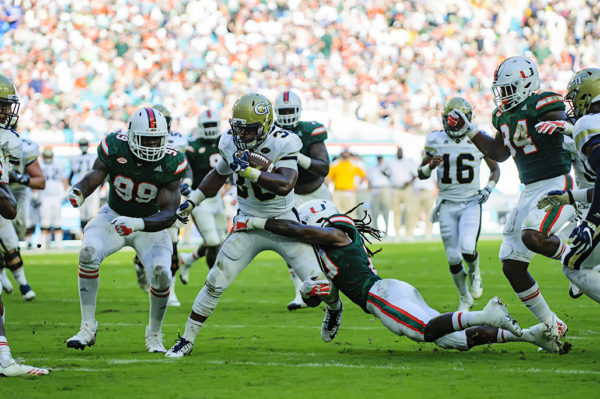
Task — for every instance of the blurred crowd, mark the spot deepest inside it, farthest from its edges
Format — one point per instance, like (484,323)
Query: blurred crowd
(84,65)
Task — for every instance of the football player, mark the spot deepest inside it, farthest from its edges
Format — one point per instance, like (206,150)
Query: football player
(51,198)
(261,193)
(581,261)
(313,162)
(209,216)
(177,142)
(346,262)
(543,166)
(26,172)
(143,177)
(459,201)
(80,166)
(8,210)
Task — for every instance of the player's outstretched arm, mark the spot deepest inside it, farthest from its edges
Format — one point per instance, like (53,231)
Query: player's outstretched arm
(317,160)
(93,179)
(427,165)
(8,203)
(168,198)
(309,234)
(36,176)
(492,148)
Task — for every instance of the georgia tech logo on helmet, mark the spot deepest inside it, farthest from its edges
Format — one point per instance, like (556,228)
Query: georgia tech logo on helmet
(576,81)
(262,109)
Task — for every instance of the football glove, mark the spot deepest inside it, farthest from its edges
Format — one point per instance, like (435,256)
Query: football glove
(555,199)
(240,162)
(16,177)
(581,241)
(243,223)
(468,128)
(484,194)
(75,197)
(315,287)
(185,189)
(126,225)
(184,210)
(551,127)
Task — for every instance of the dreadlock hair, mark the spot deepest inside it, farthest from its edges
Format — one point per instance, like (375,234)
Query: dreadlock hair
(364,227)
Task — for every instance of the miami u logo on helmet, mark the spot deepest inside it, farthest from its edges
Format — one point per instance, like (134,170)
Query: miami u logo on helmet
(312,210)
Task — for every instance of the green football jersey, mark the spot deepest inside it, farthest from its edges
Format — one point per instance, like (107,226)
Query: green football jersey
(349,268)
(537,156)
(203,156)
(134,184)
(309,133)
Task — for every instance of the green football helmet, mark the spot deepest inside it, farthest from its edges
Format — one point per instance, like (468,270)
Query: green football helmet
(163,110)
(251,121)
(9,104)
(462,105)
(583,90)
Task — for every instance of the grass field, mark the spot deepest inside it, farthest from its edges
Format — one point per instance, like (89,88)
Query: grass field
(252,347)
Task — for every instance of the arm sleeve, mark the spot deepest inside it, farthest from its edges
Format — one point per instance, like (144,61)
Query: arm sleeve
(223,168)
(594,212)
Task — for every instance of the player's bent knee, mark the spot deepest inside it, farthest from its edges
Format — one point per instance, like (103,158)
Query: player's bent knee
(88,257)
(212,240)
(160,278)
(454,256)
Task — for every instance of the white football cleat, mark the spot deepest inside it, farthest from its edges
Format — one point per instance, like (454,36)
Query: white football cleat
(142,278)
(85,337)
(297,303)
(574,291)
(182,348)
(5,281)
(154,342)
(496,315)
(466,303)
(543,336)
(27,293)
(331,323)
(476,284)
(560,325)
(186,261)
(10,368)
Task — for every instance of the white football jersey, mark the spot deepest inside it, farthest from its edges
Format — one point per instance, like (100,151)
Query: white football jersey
(282,148)
(584,174)
(177,141)
(458,174)
(54,173)
(11,149)
(81,165)
(4,170)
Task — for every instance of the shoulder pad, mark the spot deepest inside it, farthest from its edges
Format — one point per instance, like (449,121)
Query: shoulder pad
(548,98)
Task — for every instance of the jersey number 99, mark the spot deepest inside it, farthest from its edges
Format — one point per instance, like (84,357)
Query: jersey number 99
(125,187)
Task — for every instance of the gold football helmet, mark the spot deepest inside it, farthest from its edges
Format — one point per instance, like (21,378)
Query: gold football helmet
(583,90)
(163,110)
(9,103)
(251,121)
(462,105)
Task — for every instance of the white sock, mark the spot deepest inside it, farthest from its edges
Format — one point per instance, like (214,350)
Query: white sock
(192,328)
(507,336)
(472,266)
(334,306)
(559,252)
(88,290)
(4,348)
(158,307)
(296,280)
(19,275)
(58,237)
(460,280)
(533,299)
(464,320)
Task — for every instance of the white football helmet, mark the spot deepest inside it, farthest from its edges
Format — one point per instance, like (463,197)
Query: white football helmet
(515,79)
(209,125)
(147,131)
(315,212)
(288,108)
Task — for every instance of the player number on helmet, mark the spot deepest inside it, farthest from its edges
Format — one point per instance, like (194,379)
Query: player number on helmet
(124,187)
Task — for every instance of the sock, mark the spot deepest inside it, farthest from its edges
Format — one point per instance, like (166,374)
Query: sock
(158,307)
(192,328)
(559,252)
(19,275)
(335,306)
(4,348)
(297,282)
(506,336)
(88,290)
(533,299)
(58,237)
(472,266)
(463,320)
(460,280)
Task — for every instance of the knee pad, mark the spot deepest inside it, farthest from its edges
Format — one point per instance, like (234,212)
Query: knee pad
(454,256)
(160,278)
(9,259)
(88,258)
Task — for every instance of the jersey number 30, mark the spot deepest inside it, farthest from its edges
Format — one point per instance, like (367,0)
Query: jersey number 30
(124,187)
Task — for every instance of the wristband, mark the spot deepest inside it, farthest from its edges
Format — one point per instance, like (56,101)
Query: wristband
(257,223)
(252,174)
(491,184)
(426,169)
(472,132)
(304,161)
(138,224)
(196,197)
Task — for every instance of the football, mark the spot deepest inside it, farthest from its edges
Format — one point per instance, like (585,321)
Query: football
(260,162)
